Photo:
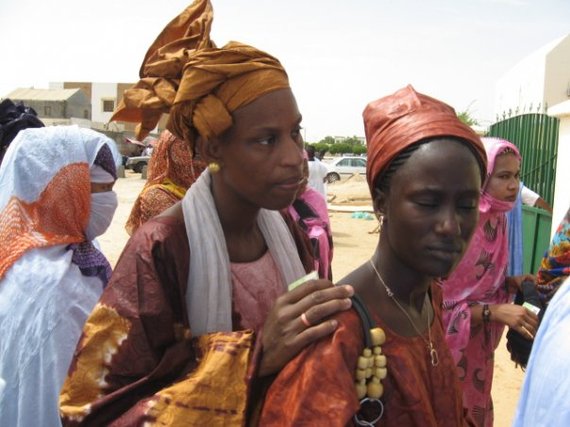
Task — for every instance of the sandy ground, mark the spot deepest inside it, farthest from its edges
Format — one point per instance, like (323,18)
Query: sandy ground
(353,245)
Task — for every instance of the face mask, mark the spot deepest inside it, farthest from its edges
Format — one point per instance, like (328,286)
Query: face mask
(103,206)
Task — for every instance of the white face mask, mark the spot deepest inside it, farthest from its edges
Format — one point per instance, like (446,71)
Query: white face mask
(103,206)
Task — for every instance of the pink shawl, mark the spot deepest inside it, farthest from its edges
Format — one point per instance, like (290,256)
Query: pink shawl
(479,278)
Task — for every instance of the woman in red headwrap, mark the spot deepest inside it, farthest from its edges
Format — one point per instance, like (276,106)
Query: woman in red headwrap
(196,317)
(387,363)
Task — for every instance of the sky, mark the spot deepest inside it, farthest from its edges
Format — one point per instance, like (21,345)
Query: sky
(339,55)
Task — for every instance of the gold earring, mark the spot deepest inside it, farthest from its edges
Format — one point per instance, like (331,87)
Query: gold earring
(213,167)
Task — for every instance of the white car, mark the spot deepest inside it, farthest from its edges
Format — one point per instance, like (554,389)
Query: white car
(346,165)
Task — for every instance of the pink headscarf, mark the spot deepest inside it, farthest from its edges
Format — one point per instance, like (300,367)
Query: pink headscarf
(480,276)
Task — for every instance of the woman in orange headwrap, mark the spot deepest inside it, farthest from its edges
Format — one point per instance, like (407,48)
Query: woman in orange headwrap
(195,318)
(387,363)
(171,171)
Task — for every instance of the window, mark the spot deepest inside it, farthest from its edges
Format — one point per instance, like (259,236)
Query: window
(108,105)
(85,114)
(47,110)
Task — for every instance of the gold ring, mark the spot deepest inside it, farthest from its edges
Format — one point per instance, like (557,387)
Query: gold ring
(305,320)
(527,331)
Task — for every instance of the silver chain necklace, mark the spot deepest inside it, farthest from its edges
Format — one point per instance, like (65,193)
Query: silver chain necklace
(431,349)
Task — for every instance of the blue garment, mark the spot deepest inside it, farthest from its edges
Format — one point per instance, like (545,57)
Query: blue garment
(515,231)
(544,395)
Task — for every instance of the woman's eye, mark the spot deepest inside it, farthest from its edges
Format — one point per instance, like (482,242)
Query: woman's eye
(296,134)
(426,203)
(266,141)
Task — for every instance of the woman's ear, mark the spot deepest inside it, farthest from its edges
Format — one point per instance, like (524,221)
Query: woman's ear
(380,202)
(210,150)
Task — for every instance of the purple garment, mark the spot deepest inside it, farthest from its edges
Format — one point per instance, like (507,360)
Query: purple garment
(91,261)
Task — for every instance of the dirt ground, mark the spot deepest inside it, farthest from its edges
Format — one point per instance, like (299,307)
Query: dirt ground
(353,245)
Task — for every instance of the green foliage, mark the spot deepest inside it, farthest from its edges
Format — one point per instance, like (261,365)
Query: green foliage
(340,148)
(359,149)
(353,141)
(329,140)
(321,147)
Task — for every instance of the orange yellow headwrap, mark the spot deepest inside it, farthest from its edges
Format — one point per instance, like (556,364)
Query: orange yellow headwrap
(397,121)
(200,85)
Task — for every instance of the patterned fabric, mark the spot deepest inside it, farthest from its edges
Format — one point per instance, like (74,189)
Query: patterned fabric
(478,279)
(91,261)
(317,387)
(46,188)
(311,213)
(555,265)
(138,361)
(171,171)
(50,276)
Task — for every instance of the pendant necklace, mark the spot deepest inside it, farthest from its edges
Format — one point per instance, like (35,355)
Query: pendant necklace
(431,349)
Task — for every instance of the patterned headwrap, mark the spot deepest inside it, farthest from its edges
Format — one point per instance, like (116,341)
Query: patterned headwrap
(46,189)
(172,169)
(555,266)
(200,85)
(397,121)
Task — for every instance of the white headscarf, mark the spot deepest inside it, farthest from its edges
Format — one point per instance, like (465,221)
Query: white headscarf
(50,277)
(45,188)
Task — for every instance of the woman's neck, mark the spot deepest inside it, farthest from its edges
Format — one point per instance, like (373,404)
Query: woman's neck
(408,285)
(238,219)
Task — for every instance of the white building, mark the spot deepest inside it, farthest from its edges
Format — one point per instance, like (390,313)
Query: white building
(540,80)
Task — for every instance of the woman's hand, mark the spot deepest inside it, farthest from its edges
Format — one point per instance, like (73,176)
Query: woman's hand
(514,283)
(298,318)
(516,317)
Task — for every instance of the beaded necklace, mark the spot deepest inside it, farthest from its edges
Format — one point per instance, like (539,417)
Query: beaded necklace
(431,349)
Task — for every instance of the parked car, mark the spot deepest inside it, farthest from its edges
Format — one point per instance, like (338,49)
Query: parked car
(136,163)
(346,165)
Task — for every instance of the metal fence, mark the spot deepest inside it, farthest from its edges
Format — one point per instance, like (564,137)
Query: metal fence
(536,136)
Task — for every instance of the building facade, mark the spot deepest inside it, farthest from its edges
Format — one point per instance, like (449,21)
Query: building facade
(539,81)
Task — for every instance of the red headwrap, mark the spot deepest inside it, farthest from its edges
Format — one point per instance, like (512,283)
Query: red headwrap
(397,121)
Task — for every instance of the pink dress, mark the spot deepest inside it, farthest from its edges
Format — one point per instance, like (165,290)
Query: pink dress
(255,284)
(479,279)
(310,211)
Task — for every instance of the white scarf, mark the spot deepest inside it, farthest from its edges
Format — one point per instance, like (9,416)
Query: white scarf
(209,289)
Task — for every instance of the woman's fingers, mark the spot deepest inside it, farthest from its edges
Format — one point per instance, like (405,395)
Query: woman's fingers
(309,335)
(300,317)
(317,299)
(316,313)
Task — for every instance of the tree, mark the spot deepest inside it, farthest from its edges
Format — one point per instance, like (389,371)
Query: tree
(329,140)
(466,116)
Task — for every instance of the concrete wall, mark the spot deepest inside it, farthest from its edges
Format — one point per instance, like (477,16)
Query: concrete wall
(78,106)
(562,190)
(99,93)
(557,87)
(542,78)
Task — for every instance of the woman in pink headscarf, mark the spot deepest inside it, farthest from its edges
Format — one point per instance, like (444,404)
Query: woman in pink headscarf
(309,210)
(477,296)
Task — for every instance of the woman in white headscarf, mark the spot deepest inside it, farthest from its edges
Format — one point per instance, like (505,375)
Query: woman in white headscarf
(55,198)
